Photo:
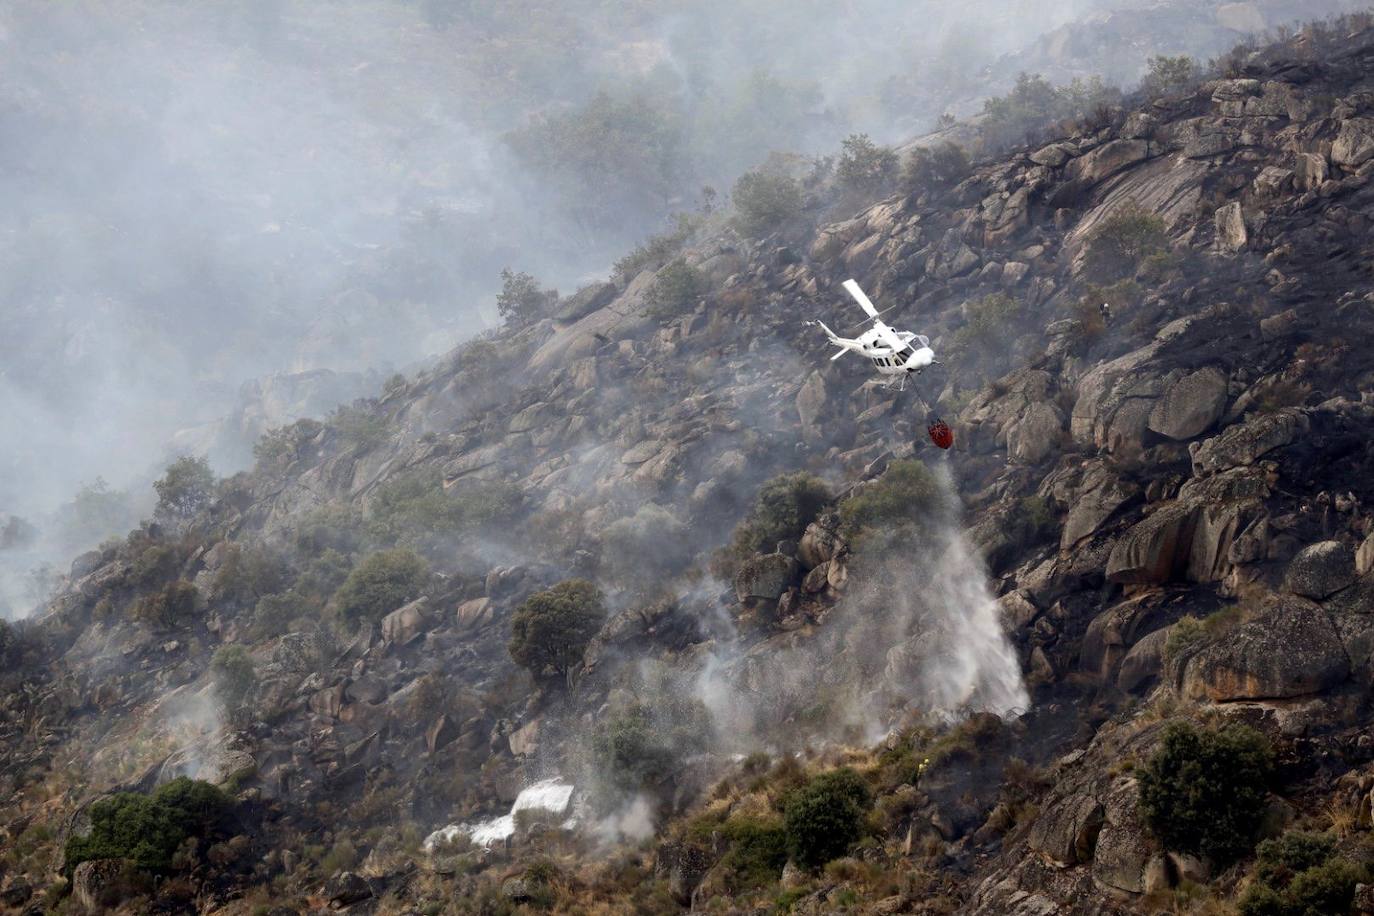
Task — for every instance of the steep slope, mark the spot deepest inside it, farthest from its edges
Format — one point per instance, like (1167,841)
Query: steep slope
(1203,448)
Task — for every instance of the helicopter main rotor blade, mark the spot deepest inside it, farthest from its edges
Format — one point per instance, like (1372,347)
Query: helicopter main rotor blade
(860,297)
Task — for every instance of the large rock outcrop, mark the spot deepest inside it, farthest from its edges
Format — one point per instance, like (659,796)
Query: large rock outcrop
(1291,649)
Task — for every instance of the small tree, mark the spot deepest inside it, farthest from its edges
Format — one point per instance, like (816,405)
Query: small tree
(380,584)
(521,300)
(185,489)
(644,548)
(632,753)
(786,504)
(552,628)
(1203,792)
(675,290)
(906,493)
(1170,74)
(171,606)
(825,817)
(234,676)
(936,167)
(1123,242)
(864,165)
(148,829)
(765,200)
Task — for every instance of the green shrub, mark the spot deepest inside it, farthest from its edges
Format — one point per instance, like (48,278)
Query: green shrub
(986,322)
(172,606)
(765,201)
(1203,791)
(675,290)
(246,574)
(645,548)
(274,614)
(904,495)
(785,505)
(414,509)
(380,584)
(657,250)
(757,853)
(825,817)
(1122,242)
(864,165)
(279,447)
(147,829)
(521,300)
(1189,631)
(1297,875)
(936,167)
(359,425)
(1034,103)
(187,487)
(551,629)
(1168,75)
(234,676)
(632,753)
(1279,859)
(154,565)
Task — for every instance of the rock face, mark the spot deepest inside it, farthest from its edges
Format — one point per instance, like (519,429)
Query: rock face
(346,888)
(1190,405)
(99,884)
(405,623)
(1067,833)
(765,578)
(1124,849)
(1155,550)
(1289,650)
(1230,225)
(683,865)
(1320,570)
(1243,444)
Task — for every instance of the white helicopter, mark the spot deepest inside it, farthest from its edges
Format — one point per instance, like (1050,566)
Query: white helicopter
(895,354)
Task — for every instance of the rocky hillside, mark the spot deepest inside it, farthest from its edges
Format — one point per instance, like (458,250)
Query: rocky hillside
(788,655)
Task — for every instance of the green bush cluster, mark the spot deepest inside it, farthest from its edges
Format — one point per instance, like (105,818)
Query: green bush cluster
(171,606)
(657,250)
(933,168)
(785,505)
(148,829)
(986,321)
(905,494)
(234,676)
(766,200)
(359,425)
(675,290)
(633,753)
(1168,75)
(1203,791)
(1034,103)
(380,584)
(1189,631)
(757,852)
(186,488)
(865,166)
(522,300)
(551,629)
(415,510)
(279,447)
(1123,243)
(645,548)
(825,817)
(1298,875)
